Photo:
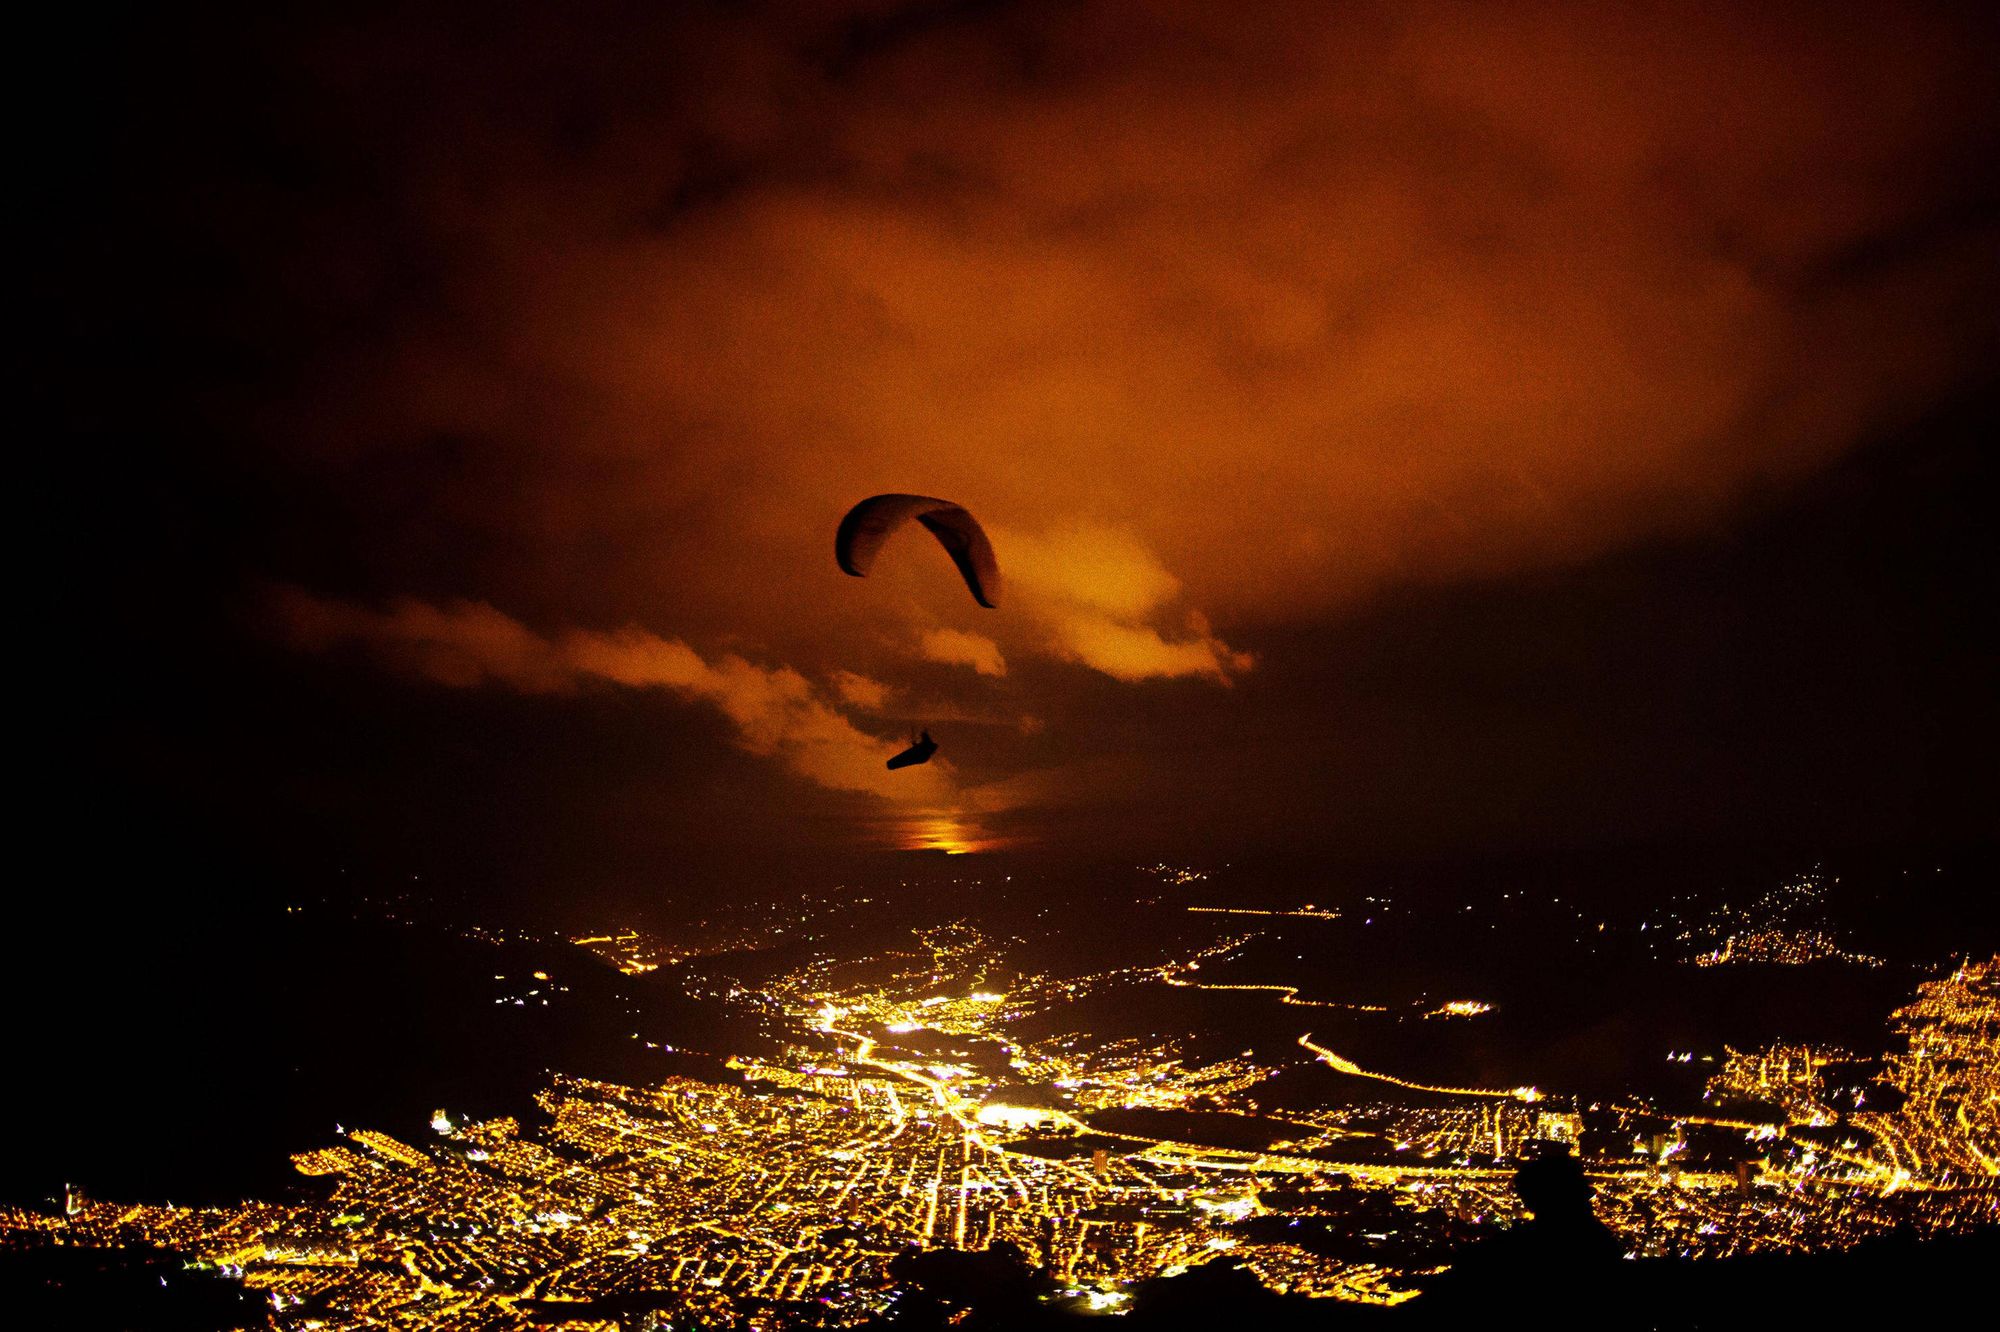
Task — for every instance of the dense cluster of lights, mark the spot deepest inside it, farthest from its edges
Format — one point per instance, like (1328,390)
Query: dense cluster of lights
(1774,930)
(1785,948)
(1460,1008)
(902,1110)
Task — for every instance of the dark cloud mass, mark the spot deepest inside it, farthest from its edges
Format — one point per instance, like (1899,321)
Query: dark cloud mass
(540,352)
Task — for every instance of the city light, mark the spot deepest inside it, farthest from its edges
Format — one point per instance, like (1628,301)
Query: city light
(794,1188)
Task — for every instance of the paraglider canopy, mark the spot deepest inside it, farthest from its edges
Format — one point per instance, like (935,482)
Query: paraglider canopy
(870,523)
(920,752)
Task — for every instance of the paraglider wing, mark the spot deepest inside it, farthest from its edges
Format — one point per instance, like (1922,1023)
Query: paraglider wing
(961,536)
(869,523)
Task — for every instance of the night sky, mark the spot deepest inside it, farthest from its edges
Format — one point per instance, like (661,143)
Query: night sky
(1412,433)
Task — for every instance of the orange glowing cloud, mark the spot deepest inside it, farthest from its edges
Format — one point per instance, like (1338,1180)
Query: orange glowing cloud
(1096,591)
(775,710)
(1221,327)
(859,691)
(1308,307)
(957,648)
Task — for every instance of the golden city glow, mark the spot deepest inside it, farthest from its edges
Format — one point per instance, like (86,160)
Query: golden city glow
(902,1112)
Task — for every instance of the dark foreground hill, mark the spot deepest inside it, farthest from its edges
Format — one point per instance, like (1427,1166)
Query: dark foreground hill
(1889,1283)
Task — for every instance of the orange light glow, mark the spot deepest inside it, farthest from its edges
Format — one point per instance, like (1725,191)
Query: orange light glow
(946,834)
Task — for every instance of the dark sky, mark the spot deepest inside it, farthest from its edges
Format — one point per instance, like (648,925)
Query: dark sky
(1408,431)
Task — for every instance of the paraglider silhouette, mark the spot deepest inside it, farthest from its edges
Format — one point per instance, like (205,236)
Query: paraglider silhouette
(920,751)
(869,524)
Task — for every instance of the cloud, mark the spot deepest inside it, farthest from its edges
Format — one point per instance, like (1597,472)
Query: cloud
(1312,307)
(955,647)
(1136,652)
(1224,328)
(775,711)
(1095,589)
(463,645)
(860,691)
